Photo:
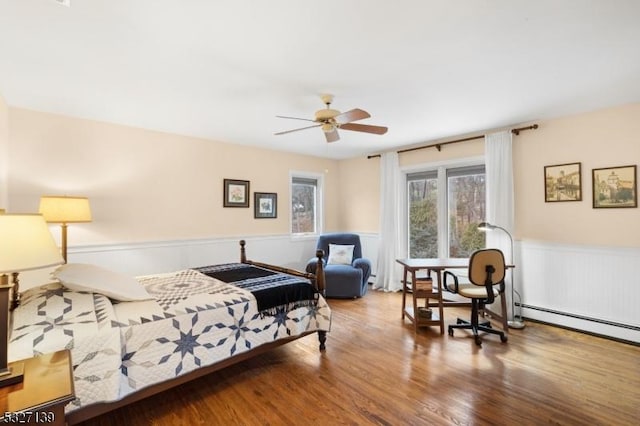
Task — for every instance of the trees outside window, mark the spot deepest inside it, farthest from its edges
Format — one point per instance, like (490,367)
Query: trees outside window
(305,205)
(463,206)
(466,199)
(422,193)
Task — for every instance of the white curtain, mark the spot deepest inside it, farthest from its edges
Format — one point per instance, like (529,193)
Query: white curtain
(500,209)
(388,270)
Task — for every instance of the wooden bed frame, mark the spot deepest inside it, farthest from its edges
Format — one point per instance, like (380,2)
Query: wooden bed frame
(85,413)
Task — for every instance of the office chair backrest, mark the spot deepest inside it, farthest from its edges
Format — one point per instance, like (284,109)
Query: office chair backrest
(486,264)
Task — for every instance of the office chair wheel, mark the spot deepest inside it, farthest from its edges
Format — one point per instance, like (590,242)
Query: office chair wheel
(450,331)
(478,341)
(503,339)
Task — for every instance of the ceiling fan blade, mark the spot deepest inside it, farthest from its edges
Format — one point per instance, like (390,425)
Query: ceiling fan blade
(352,115)
(332,136)
(378,130)
(295,130)
(295,118)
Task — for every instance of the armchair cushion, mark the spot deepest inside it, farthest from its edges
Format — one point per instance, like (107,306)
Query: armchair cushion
(340,254)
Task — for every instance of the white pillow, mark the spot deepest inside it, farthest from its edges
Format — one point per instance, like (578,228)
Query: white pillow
(94,279)
(340,254)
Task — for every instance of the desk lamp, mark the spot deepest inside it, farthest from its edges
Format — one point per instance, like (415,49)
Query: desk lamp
(25,244)
(64,210)
(516,321)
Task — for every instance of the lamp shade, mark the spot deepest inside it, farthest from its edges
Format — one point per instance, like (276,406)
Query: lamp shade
(26,243)
(65,209)
(485,226)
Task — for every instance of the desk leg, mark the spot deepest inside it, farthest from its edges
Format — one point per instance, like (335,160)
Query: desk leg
(503,306)
(415,300)
(404,292)
(440,304)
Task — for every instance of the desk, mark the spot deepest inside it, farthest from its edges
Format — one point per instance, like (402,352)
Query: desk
(411,266)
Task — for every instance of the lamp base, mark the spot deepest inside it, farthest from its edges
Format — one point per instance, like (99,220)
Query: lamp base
(516,324)
(14,374)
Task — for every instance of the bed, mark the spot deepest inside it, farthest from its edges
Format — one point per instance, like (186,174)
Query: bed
(193,322)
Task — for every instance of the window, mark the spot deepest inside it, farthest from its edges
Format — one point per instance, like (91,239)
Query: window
(466,200)
(454,193)
(422,193)
(306,206)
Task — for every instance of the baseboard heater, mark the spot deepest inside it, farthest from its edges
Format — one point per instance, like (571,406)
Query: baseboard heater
(584,318)
(581,317)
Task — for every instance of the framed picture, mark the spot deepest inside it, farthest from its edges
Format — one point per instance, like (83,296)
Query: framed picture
(265,205)
(563,182)
(615,187)
(236,193)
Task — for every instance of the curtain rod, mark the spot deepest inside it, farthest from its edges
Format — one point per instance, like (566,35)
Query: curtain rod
(439,145)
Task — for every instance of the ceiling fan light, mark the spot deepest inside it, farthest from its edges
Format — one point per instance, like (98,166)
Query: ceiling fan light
(328,127)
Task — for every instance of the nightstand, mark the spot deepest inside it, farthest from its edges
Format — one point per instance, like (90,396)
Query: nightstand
(46,389)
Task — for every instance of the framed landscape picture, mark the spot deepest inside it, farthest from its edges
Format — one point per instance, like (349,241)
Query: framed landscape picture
(236,193)
(615,187)
(265,205)
(563,182)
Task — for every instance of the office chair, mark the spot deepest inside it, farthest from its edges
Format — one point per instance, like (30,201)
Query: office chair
(486,274)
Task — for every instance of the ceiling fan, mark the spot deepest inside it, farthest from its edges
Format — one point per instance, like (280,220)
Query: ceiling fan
(330,120)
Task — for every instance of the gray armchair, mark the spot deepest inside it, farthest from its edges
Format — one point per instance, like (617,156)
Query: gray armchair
(345,276)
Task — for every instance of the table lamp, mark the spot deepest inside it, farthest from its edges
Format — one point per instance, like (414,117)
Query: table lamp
(516,321)
(64,210)
(25,244)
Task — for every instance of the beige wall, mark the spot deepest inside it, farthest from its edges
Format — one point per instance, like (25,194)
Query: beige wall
(598,139)
(150,186)
(4,152)
(359,195)
(146,185)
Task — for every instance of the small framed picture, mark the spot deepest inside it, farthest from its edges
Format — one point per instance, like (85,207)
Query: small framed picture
(265,205)
(615,187)
(236,193)
(563,182)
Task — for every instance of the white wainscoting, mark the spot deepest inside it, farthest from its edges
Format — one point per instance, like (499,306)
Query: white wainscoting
(594,289)
(153,257)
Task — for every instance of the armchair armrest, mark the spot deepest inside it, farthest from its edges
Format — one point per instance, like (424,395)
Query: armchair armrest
(361,263)
(365,265)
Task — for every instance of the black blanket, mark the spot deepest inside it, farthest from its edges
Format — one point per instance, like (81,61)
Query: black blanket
(275,292)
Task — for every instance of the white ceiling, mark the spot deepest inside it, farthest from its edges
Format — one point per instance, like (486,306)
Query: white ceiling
(222,70)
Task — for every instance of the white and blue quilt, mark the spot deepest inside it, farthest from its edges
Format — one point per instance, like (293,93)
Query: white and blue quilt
(121,347)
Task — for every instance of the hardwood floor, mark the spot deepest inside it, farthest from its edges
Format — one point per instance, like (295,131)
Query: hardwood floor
(376,370)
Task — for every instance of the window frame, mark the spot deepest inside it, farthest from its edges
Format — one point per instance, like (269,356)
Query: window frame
(442,199)
(319,207)
(459,171)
